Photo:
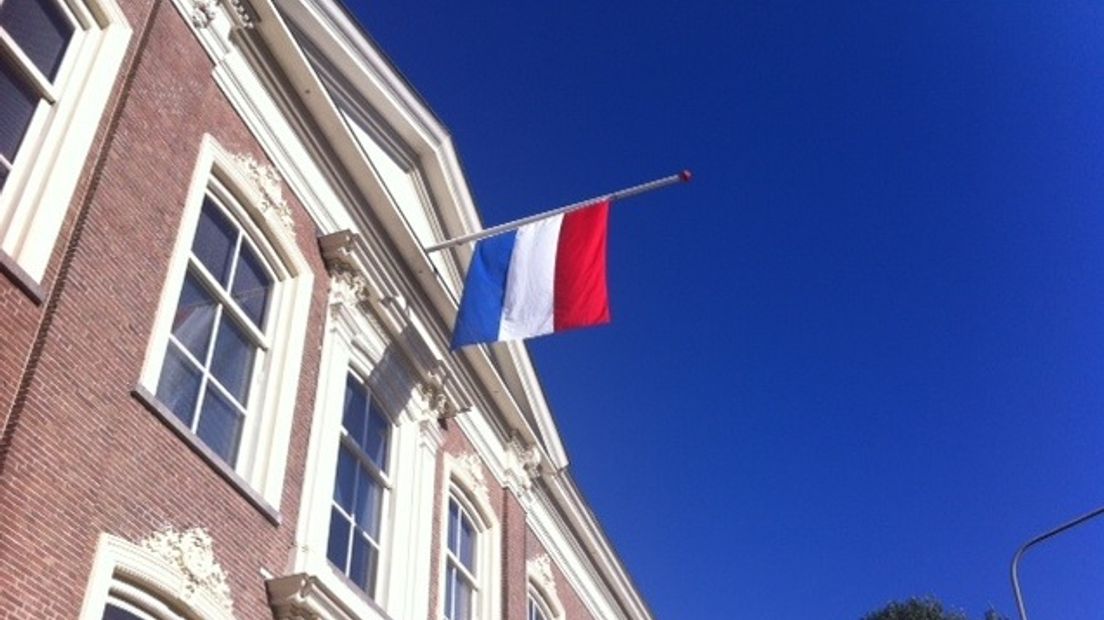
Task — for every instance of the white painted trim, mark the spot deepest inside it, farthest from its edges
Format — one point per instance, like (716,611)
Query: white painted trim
(48,167)
(120,564)
(263,447)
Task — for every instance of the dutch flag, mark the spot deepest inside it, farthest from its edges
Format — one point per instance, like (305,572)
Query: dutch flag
(543,277)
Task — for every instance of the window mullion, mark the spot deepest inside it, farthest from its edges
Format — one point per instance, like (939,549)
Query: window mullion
(363,458)
(468,576)
(226,301)
(26,67)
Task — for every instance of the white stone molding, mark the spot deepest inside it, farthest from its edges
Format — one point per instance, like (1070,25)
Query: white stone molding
(192,553)
(268,185)
(467,468)
(304,597)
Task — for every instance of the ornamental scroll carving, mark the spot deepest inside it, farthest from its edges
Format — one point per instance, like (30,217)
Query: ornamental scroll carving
(205,11)
(268,184)
(522,465)
(432,390)
(191,552)
(540,572)
(468,470)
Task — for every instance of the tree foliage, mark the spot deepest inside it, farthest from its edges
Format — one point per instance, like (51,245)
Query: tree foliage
(923,609)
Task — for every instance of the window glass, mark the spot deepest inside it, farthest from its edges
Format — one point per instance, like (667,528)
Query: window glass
(232,362)
(17,106)
(215,241)
(41,30)
(194,317)
(220,425)
(251,286)
(178,388)
(111,612)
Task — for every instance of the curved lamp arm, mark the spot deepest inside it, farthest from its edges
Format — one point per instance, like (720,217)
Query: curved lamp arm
(1034,541)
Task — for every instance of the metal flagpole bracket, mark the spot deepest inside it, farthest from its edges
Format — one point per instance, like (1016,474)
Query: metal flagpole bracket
(629,192)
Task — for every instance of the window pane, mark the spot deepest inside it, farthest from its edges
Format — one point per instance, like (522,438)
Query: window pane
(41,30)
(251,286)
(117,613)
(450,588)
(362,566)
(194,315)
(338,548)
(220,425)
(232,362)
(179,385)
(356,404)
(17,105)
(345,486)
(214,242)
(367,509)
(3,175)
(467,544)
(463,600)
(375,441)
(454,517)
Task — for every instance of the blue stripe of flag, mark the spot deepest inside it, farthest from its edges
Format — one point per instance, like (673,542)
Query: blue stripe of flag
(484,291)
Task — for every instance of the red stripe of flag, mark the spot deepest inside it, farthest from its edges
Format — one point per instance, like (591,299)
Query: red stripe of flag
(581,296)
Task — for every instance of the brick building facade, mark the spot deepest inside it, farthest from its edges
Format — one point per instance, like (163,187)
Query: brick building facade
(225,383)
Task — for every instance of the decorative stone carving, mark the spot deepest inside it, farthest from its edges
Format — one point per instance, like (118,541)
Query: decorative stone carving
(191,553)
(522,465)
(432,390)
(241,14)
(468,469)
(267,182)
(540,572)
(203,12)
(348,288)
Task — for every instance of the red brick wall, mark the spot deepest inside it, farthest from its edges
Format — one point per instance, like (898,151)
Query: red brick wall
(86,457)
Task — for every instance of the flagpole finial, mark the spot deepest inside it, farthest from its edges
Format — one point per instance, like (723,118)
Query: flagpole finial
(685,176)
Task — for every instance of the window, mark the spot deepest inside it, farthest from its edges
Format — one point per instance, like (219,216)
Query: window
(34,36)
(218,332)
(461,564)
(223,362)
(58,64)
(360,486)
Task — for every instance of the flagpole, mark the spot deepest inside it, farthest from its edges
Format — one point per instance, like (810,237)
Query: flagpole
(636,190)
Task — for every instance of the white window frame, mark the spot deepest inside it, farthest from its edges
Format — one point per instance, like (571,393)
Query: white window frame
(354,343)
(47,168)
(358,370)
(124,571)
(465,485)
(261,460)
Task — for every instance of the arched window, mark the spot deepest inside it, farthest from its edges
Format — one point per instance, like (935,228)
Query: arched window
(223,362)
(471,567)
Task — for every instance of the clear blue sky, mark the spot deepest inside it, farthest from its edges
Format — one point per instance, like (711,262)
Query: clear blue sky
(861,356)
